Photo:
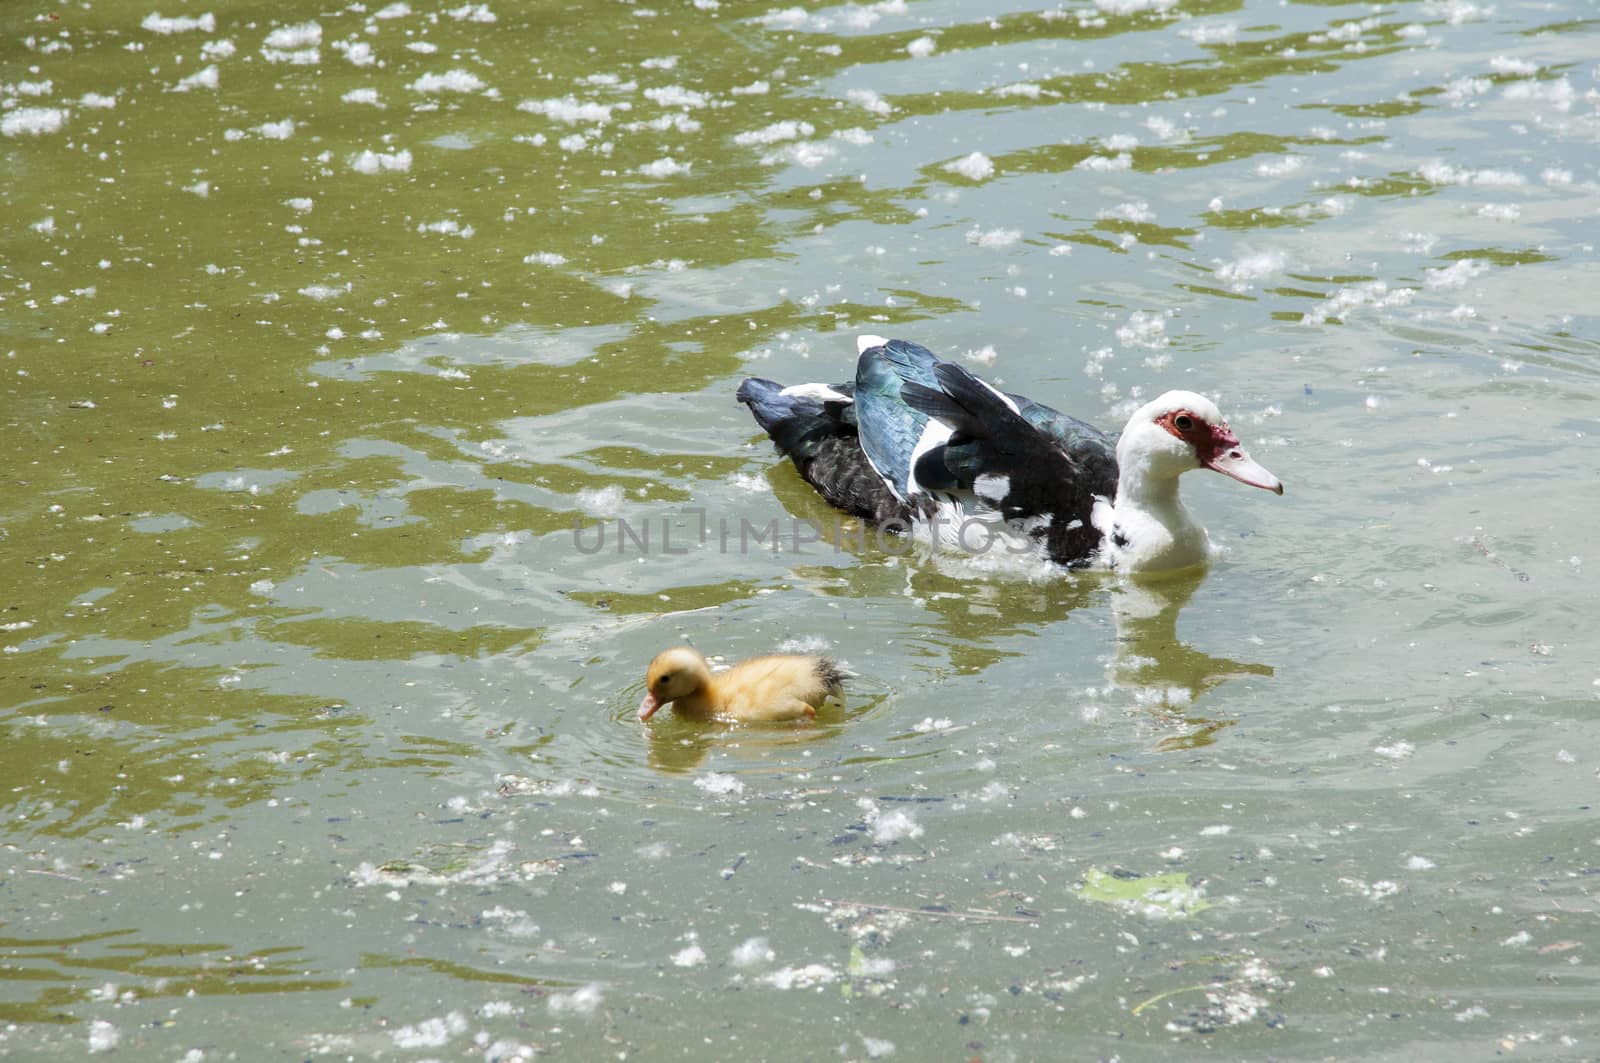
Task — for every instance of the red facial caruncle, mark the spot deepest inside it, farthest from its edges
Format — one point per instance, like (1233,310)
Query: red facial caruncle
(1217,448)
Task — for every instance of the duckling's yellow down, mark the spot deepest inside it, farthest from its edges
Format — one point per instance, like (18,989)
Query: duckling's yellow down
(780,686)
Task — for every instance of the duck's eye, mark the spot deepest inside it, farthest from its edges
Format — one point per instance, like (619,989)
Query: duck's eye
(1183,422)
(664,678)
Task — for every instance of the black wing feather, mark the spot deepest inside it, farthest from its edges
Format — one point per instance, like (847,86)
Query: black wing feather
(989,438)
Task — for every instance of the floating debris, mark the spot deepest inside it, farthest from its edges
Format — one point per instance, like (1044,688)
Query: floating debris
(1164,896)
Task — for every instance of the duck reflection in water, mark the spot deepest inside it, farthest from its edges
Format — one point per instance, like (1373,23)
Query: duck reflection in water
(981,620)
(978,625)
(981,615)
(1164,674)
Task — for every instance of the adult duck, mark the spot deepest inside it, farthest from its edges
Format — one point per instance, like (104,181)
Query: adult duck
(779,686)
(921,444)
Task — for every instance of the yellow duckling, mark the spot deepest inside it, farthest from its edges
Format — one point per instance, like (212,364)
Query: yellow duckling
(782,686)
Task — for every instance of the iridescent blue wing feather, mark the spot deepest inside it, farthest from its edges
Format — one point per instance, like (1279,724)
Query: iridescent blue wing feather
(890,429)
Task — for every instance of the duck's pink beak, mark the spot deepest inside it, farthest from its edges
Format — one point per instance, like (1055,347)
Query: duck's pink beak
(1242,467)
(1230,459)
(648,707)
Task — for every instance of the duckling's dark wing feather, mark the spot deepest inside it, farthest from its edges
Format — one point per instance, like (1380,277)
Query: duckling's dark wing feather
(831,675)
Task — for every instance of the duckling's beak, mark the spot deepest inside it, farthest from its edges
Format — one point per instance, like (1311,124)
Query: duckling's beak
(648,707)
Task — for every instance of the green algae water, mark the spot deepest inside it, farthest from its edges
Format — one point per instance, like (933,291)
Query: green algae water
(366,395)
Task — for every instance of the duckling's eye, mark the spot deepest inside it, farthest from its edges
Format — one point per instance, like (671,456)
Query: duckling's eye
(664,678)
(1183,422)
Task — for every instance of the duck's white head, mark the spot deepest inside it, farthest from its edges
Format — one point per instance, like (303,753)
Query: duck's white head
(1181,430)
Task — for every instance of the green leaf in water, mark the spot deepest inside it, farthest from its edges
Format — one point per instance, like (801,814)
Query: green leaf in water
(867,975)
(1167,896)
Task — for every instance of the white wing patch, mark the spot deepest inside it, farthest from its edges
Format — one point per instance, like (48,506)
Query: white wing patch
(866,343)
(992,488)
(1102,515)
(934,434)
(821,392)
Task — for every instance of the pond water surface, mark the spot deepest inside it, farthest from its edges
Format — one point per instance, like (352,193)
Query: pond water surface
(324,327)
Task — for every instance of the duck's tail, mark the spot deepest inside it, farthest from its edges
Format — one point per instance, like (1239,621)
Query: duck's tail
(799,418)
(815,426)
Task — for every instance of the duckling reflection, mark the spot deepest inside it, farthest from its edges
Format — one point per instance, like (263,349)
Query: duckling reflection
(979,617)
(1165,674)
(680,746)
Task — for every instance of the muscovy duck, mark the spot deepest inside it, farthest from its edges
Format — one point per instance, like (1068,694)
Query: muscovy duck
(922,444)
(782,686)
